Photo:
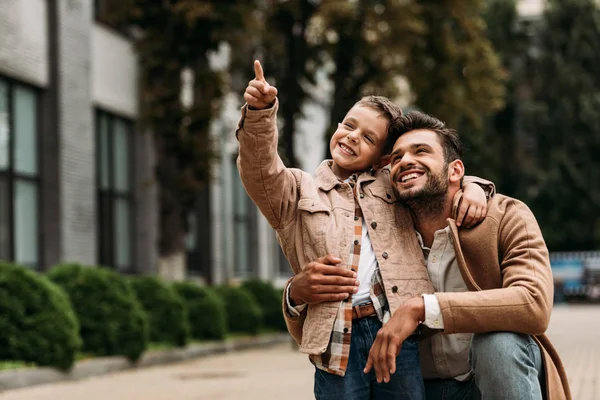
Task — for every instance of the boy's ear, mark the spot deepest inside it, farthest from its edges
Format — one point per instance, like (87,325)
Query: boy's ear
(383,161)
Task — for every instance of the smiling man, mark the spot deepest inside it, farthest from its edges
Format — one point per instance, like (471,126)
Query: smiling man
(493,282)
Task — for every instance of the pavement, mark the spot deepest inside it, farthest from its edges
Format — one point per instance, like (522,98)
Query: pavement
(280,372)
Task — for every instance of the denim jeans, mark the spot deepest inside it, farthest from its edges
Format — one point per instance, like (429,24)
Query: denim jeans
(506,366)
(405,383)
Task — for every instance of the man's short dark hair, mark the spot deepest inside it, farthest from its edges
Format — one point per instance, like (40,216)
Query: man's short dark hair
(388,109)
(415,120)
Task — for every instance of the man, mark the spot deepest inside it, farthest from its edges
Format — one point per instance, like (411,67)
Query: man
(493,281)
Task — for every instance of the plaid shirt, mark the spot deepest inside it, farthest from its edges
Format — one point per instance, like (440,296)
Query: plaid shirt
(335,358)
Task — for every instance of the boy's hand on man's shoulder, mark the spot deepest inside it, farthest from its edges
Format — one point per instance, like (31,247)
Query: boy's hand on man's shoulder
(321,281)
(473,208)
(259,95)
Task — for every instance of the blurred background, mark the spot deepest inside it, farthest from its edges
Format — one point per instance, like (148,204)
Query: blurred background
(117,122)
(117,119)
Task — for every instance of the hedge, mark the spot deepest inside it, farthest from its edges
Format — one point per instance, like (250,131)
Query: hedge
(243,312)
(269,299)
(111,318)
(166,310)
(206,311)
(37,321)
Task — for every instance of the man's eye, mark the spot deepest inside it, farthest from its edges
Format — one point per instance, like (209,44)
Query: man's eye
(421,151)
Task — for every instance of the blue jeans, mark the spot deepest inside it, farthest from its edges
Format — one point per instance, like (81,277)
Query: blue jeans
(405,383)
(506,366)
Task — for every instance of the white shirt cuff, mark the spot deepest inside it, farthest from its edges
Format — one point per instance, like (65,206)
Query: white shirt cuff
(294,311)
(433,313)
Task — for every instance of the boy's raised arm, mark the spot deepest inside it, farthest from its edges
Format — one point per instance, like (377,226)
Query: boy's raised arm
(272,186)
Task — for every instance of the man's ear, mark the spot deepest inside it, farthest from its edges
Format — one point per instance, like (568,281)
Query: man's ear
(456,171)
(383,161)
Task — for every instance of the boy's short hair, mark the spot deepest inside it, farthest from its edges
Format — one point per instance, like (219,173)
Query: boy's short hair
(388,109)
(415,120)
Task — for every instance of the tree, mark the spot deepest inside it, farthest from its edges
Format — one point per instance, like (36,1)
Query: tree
(563,122)
(364,46)
(173,37)
(454,70)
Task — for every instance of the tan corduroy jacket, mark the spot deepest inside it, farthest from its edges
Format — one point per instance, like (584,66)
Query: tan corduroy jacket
(511,292)
(314,217)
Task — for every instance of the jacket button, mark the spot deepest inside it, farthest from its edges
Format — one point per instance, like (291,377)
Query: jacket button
(345,330)
(356,218)
(356,242)
(394,289)
(373,224)
(385,255)
(389,196)
(362,195)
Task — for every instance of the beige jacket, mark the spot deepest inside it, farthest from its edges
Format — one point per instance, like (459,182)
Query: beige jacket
(510,292)
(314,216)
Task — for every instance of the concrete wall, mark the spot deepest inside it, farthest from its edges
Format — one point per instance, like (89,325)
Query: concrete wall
(24,41)
(77,137)
(114,72)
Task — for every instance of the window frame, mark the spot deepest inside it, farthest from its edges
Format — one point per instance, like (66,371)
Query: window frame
(111,194)
(11,176)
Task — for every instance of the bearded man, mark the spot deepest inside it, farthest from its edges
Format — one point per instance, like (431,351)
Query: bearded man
(493,282)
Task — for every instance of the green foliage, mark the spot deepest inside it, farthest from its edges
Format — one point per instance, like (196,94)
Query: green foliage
(367,45)
(166,311)
(243,312)
(562,123)
(269,299)
(111,319)
(37,322)
(206,311)
(454,71)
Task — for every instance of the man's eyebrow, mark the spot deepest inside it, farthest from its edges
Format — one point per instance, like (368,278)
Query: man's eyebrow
(412,146)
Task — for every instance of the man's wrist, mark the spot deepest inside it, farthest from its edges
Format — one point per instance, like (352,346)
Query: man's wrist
(293,301)
(417,308)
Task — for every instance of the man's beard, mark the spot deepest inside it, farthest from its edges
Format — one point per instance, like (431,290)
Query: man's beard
(430,199)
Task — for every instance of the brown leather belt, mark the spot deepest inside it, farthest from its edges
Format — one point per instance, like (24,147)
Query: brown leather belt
(363,310)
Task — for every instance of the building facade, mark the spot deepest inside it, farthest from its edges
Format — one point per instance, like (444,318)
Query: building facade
(76,171)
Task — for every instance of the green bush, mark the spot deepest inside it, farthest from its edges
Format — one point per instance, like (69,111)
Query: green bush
(269,300)
(112,321)
(243,312)
(206,311)
(166,311)
(37,322)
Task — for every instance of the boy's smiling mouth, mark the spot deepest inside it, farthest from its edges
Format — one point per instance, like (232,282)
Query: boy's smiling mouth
(347,149)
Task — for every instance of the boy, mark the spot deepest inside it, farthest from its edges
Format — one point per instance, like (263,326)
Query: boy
(348,211)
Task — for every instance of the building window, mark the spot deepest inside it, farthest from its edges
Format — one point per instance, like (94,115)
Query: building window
(114,182)
(19,174)
(244,229)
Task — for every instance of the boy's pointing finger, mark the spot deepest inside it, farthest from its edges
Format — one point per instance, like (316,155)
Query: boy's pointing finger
(258,71)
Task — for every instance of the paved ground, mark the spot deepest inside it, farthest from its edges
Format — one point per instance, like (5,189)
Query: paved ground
(282,373)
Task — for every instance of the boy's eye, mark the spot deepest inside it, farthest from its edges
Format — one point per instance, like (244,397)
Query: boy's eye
(348,124)
(368,138)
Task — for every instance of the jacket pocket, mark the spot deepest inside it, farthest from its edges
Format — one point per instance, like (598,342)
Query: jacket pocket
(314,217)
(387,194)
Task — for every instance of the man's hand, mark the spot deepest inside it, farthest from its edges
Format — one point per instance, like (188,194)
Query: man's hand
(322,281)
(259,94)
(473,208)
(388,342)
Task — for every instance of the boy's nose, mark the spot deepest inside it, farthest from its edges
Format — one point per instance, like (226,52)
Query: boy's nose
(353,136)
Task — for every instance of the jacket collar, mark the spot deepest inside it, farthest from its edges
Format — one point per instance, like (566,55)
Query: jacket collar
(327,180)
